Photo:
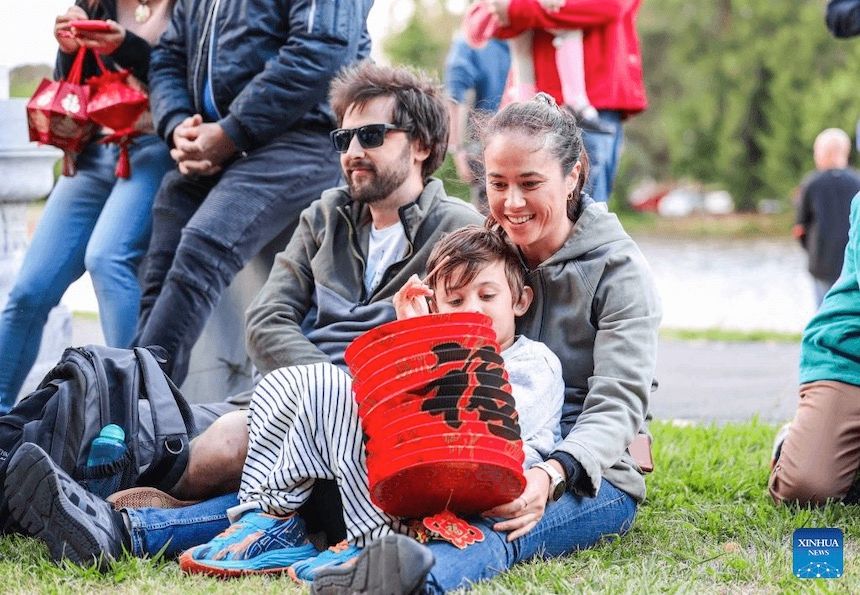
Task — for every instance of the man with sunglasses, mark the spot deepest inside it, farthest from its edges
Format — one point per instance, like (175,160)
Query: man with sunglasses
(352,250)
(238,91)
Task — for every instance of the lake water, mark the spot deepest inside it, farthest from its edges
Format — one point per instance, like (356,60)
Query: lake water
(731,284)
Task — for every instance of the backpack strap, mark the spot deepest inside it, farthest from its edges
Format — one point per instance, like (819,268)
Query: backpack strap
(172,422)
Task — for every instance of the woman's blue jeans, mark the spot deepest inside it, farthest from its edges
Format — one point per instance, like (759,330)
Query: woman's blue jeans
(573,523)
(95,222)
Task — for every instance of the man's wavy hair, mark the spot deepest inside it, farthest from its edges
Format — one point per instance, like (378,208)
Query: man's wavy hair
(420,104)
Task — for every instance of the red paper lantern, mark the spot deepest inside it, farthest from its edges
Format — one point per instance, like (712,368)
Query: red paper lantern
(116,104)
(57,114)
(436,407)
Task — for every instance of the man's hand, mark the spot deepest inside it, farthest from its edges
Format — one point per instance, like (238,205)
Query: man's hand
(527,509)
(411,299)
(499,9)
(200,148)
(62,32)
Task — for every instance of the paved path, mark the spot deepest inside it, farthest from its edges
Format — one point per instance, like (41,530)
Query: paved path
(699,380)
(715,381)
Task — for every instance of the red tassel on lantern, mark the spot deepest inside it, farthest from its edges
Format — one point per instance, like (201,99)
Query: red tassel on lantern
(57,114)
(117,105)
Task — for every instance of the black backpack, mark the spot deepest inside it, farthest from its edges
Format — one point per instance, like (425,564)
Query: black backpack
(89,388)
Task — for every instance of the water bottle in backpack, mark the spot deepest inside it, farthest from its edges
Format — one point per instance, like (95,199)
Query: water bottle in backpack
(108,447)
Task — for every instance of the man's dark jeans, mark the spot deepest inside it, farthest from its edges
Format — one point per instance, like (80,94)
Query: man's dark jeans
(205,229)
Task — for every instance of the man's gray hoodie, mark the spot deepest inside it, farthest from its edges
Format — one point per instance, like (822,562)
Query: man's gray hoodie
(314,302)
(597,309)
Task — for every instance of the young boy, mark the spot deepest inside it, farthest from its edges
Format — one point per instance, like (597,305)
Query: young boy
(473,269)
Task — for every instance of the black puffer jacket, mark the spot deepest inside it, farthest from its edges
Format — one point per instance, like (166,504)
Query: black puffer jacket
(133,54)
(272,64)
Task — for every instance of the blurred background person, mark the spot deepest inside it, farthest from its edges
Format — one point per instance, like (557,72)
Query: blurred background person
(824,208)
(613,68)
(475,80)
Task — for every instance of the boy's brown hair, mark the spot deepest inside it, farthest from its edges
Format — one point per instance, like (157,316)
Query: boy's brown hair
(466,252)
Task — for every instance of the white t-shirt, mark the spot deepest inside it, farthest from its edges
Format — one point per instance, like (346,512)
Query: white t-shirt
(386,247)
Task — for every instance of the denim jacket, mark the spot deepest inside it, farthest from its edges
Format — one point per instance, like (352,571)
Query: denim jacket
(270,68)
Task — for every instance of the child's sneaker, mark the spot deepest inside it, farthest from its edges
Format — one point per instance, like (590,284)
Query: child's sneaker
(341,553)
(258,543)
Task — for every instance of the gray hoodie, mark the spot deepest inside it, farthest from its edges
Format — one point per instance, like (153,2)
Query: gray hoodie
(597,309)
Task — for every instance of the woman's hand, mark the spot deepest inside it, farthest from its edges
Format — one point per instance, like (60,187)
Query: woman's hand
(411,299)
(527,509)
(63,34)
(105,42)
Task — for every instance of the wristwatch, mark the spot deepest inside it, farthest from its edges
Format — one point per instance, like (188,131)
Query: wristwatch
(557,484)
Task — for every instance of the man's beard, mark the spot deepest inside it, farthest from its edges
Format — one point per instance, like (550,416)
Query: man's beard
(383,182)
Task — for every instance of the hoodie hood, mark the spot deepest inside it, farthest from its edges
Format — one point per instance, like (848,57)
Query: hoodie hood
(595,228)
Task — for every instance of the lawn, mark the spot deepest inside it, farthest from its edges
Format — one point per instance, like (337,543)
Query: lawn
(708,526)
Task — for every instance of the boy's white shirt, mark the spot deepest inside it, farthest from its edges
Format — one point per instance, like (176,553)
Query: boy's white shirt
(534,372)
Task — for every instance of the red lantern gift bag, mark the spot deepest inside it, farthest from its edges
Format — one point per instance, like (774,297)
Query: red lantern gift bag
(57,114)
(118,105)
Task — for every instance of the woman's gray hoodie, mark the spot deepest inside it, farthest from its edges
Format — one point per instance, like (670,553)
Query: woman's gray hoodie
(596,307)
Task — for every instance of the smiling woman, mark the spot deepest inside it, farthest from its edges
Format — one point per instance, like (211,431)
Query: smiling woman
(595,306)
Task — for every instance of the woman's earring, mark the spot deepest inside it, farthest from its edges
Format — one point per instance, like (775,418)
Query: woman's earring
(570,196)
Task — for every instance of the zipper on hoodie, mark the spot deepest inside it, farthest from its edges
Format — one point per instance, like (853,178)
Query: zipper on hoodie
(356,251)
(195,87)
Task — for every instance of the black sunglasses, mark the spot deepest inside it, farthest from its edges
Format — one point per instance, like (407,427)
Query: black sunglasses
(369,136)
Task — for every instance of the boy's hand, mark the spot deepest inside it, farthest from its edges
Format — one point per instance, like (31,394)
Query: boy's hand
(411,299)
(527,509)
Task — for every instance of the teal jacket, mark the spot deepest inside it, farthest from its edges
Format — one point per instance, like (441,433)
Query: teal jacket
(830,349)
(314,302)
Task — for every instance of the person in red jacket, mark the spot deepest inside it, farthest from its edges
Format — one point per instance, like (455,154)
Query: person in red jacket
(613,67)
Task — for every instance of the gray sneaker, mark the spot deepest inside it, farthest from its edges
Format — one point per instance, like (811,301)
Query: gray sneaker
(51,506)
(392,565)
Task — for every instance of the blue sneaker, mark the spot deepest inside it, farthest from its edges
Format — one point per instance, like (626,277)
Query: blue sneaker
(258,543)
(305,571)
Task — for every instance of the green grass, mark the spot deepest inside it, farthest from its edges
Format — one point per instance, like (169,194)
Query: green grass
(729,335)
(708,526)
(735,226)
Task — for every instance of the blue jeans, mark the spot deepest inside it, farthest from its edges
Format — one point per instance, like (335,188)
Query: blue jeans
(206,228)
(177,529)
(604,151)
(571,524)
(95,222)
